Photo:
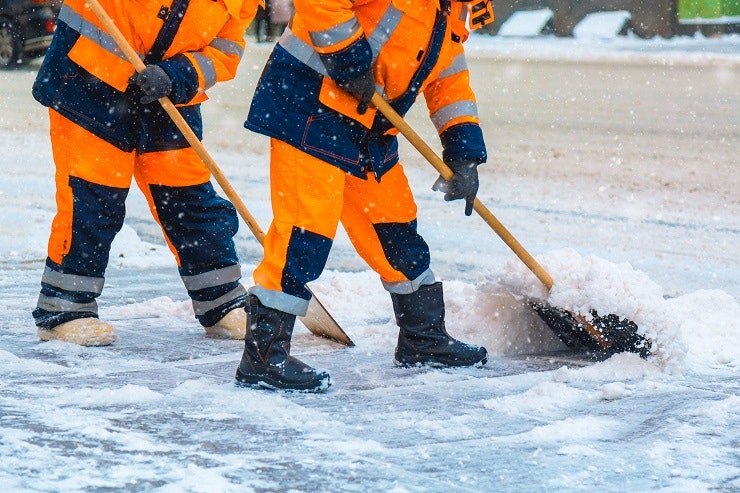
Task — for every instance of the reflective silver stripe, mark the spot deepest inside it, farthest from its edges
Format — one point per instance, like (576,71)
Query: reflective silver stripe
(447,113)
(90,31)
(463,14)
(383,31)
(280,301)
(213,278)
(52,304)
(408,287)
(207,69)
(335,35)
(458,65)
(72,282)
(227,46)
(202,307)
(302,51)
(306,54)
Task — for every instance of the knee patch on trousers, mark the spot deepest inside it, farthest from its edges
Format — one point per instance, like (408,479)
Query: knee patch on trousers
(405,249)
(304,261)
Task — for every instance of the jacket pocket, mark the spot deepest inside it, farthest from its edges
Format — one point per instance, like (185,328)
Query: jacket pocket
(334,136)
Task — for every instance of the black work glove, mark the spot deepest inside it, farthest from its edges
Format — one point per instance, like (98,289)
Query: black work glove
(361,87)
(153,82)
(463,185)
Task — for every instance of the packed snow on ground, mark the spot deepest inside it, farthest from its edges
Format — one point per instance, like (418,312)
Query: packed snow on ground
(158,411)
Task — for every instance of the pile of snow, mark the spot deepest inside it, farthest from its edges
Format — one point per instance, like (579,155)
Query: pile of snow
(692,328)
(526,23)
(604,25)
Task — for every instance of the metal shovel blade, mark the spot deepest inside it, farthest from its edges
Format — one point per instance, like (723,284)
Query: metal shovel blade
(321,323)
(601,337)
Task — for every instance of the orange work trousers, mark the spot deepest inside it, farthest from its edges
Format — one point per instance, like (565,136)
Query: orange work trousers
(80,154)
(309,199)
(92,180)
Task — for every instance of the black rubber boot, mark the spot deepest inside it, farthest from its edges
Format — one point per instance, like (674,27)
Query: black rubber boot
(266,361)
(423,338)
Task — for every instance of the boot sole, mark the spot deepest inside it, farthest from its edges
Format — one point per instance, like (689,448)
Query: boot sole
(261,382)
(439,364)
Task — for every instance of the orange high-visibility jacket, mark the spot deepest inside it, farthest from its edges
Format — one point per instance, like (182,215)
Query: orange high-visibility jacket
(85,75)
(413,46)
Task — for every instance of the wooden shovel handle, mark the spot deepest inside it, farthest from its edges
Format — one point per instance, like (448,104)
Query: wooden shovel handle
(447,173)
(180,122)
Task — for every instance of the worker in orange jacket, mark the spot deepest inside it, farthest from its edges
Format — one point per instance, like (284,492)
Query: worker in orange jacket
(107,127)
(333,159)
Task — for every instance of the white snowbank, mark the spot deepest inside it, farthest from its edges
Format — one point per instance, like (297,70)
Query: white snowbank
(582,284)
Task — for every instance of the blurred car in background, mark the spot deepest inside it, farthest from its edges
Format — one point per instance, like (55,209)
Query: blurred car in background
(26,28)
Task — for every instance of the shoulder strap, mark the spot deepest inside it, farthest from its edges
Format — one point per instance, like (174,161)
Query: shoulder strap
(169,29)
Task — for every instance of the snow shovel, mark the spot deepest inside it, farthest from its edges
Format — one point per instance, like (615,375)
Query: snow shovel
(602,336)
(318,320)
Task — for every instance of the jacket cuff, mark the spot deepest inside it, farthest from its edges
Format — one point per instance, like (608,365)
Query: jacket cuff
(463,142)
(184,78)
(349,63)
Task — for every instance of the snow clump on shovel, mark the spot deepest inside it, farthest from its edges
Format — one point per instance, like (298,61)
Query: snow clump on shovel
(582,284)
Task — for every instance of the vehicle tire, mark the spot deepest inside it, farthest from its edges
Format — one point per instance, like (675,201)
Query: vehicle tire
(11,45)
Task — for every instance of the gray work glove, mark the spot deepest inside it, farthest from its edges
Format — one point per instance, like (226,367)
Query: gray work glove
(361,87)
(153,82)
(463,185)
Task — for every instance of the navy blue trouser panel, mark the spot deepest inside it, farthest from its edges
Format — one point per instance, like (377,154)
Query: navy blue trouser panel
(305,260)
(404,248)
